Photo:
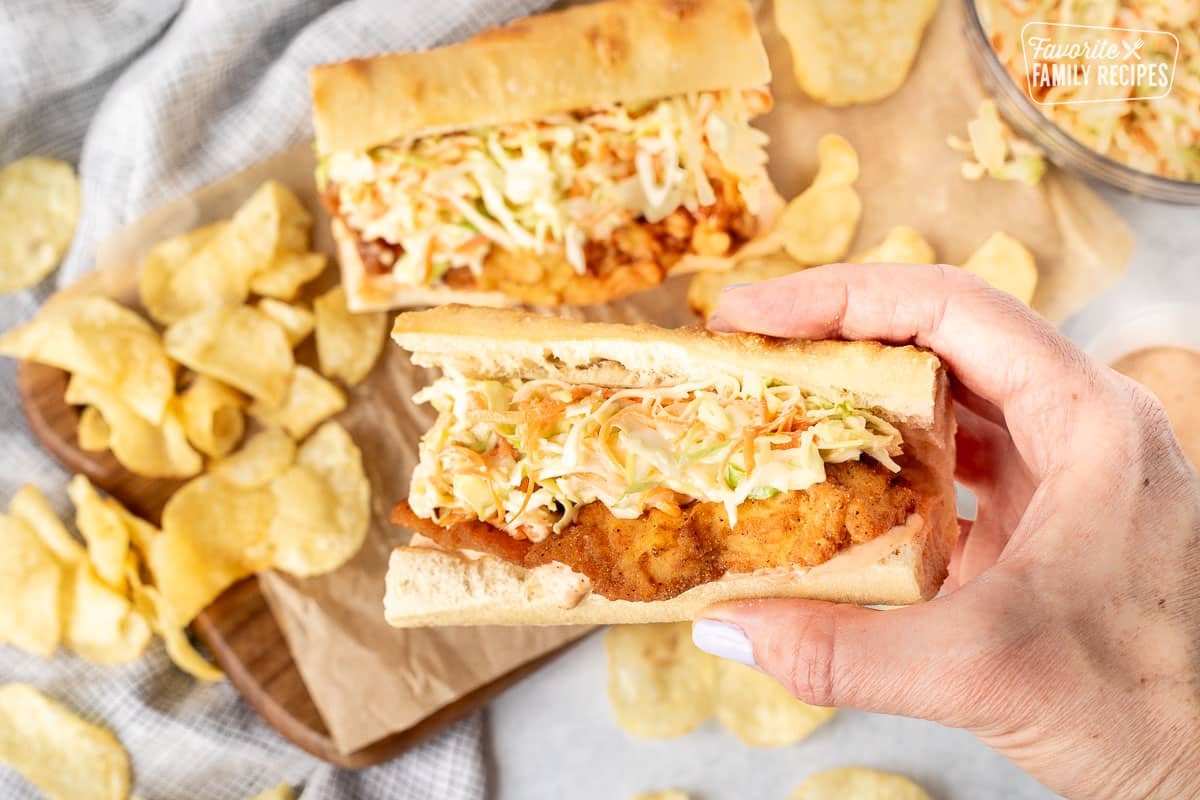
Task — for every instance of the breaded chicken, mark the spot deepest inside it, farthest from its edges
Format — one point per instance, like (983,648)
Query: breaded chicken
(658,556)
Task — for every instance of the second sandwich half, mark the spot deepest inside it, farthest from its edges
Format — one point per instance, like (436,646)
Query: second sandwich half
(587,472)
(568,158)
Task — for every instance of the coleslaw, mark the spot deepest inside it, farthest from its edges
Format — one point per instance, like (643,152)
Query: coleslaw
(447,199)
(525,455)
(1159,136)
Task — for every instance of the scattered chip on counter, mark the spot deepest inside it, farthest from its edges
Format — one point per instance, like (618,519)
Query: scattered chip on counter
(31,583)
(103,625)
(93,435)
(857,783)
(215,267)
(845,53)
(323,505)
(818,225)
(1007,265)
(98,338)
(155,451)
(212,416)
(297,321)
(311,399)
(29,506)
(262,459)
(662,794)
(238,345)
(997,152)
(755,708)
(280,792)
(660,685)
(348,343)
(284,279)
(900,245)
(64,756)
(706,287)
(105,526)
(39,208)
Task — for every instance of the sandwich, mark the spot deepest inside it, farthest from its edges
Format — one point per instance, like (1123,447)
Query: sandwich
(598,473)
(569,158)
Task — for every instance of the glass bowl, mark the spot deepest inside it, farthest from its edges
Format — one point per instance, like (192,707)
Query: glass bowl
(1060,147)
(1153,325)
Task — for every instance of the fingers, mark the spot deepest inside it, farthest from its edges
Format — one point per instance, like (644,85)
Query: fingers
(892,662)
(998,349)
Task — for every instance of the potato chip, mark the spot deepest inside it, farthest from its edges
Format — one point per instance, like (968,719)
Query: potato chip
(845,53)
(264,457)
(280,792)
(212,416)
(311,399)
(818,225)
(29,506)
(857,783)
(706,287)
(323,505)
(97,338)
(215,269)
(105,530)
(39,207)
(156,451)
(297,321)
(93,434)
(170,288)
(241,346)
(901,245)
(661,794)
(660,685)
(59,753)
(102,625)
(283,279)
(1006,264)
(348,344)
(149,601)
(755,708)
(31,580)
(213,534)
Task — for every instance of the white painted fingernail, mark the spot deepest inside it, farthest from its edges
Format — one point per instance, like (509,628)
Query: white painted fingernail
(723,639)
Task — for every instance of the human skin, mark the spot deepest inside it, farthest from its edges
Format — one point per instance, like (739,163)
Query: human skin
(1068,634)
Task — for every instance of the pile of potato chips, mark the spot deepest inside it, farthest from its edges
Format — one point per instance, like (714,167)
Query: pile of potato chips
(661,686)
(818,226)
(177,404)
(842,783)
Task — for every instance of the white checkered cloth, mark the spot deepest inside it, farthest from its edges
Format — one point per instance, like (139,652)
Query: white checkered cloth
(152,99)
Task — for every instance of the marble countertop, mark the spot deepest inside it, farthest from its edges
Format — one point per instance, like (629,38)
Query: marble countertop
(553,735)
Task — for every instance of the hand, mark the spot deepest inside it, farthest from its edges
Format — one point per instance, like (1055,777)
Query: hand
(1068,637)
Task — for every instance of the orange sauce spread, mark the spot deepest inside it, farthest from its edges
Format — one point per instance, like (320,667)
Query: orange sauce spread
(1173,375)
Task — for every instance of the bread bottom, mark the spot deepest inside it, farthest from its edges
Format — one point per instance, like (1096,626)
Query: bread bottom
(427,585)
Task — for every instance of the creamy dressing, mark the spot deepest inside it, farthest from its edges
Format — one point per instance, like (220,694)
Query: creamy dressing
(1172,374)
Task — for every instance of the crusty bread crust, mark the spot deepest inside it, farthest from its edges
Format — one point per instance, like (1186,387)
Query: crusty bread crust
(620,50)
(902,382)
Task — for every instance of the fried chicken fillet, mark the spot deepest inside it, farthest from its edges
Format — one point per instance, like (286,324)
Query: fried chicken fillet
(658,556)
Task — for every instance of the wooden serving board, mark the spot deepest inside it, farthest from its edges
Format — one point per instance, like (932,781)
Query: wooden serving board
(238,629)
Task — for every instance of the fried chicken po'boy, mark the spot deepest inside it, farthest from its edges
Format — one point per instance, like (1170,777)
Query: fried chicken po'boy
(596,473)
(567,158)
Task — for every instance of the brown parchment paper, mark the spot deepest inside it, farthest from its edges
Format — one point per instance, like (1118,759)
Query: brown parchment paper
(369,680)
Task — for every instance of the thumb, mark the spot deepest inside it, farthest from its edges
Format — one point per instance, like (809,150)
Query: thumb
(918,661)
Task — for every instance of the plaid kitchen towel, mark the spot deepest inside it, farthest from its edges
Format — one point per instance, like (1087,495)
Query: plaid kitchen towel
(152,99)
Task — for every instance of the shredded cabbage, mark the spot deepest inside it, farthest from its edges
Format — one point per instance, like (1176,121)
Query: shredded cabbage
(1160,136)
(996,150)
(525,455)
(446,199)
